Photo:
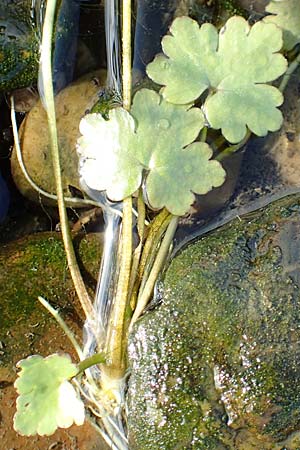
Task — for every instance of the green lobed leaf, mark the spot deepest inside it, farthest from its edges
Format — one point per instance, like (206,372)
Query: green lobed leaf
(286,14)
(46,399)
(232,66)
(149,144)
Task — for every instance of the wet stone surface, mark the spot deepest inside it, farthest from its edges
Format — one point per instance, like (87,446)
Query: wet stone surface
(216,365)
(32,266)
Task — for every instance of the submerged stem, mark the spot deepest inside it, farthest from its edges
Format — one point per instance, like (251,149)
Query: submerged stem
(115,338)
(46,70)
(114,343)
(157,266)
(291,69)
(233,148)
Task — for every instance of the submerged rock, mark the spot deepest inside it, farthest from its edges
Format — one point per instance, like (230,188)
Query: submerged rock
(216,365)
(71,105)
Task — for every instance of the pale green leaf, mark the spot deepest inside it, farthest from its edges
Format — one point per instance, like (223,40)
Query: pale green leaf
(46,399)
(232,66)
(107,161)
(150,144)
(286,14)
(176,176)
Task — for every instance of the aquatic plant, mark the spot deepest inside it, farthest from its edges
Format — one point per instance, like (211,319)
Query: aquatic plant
(150,154)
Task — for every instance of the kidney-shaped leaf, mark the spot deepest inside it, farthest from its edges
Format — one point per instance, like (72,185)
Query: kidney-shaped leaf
(148,143)
(232,66)
(46,399)
(176,176)
(286,14)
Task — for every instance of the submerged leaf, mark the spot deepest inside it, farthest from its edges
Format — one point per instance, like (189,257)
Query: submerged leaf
(286,14)
(232,65)
(149,145)
(46,399)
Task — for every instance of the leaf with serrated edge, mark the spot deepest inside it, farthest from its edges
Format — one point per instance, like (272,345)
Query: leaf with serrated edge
(106,161)
(232,65)
(176,176)
(286,14)
(149,143)
(46,399)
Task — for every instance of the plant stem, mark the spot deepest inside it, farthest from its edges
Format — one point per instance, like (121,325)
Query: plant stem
(157,266)
(46,68)
(114,343)
(292,67)
(149,244)
(137,253)
(203,134)
(97,358)
(126,54)
(63,326)
(115,336)
(233,148)
(153,251)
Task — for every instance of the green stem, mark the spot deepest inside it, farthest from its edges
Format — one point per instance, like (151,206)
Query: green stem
(63,326)
(233,148)
(153,251)
(126,54)
(98,358)
(137,253)
(114,343)
(157,267)
(203,134)
(46,68)
(115,336)
(291,69)
(153,229)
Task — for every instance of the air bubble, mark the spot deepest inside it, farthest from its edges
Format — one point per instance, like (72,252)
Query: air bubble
(164,124)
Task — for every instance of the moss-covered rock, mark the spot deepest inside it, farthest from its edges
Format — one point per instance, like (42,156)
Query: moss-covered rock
(216,365)
(19,45)
(33,266)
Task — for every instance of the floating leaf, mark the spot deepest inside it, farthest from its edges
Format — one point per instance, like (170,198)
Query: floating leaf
(286,16)
(115,155)
(46,399)
(232,66)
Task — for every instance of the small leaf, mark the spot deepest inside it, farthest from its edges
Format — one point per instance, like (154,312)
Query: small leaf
(149,144)
(286,14)
(232,65)
(46,399)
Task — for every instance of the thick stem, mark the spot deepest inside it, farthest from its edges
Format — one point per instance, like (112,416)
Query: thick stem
(46,68)
(153,231)
(98,358)
(115,338)
(157,267)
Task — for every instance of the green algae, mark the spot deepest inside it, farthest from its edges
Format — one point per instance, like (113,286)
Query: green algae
(217,364)
(19,45)
(36,265)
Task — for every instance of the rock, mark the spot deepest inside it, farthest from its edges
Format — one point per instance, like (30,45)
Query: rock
(216,365)
(30,267)
(19,45)
(71,105)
